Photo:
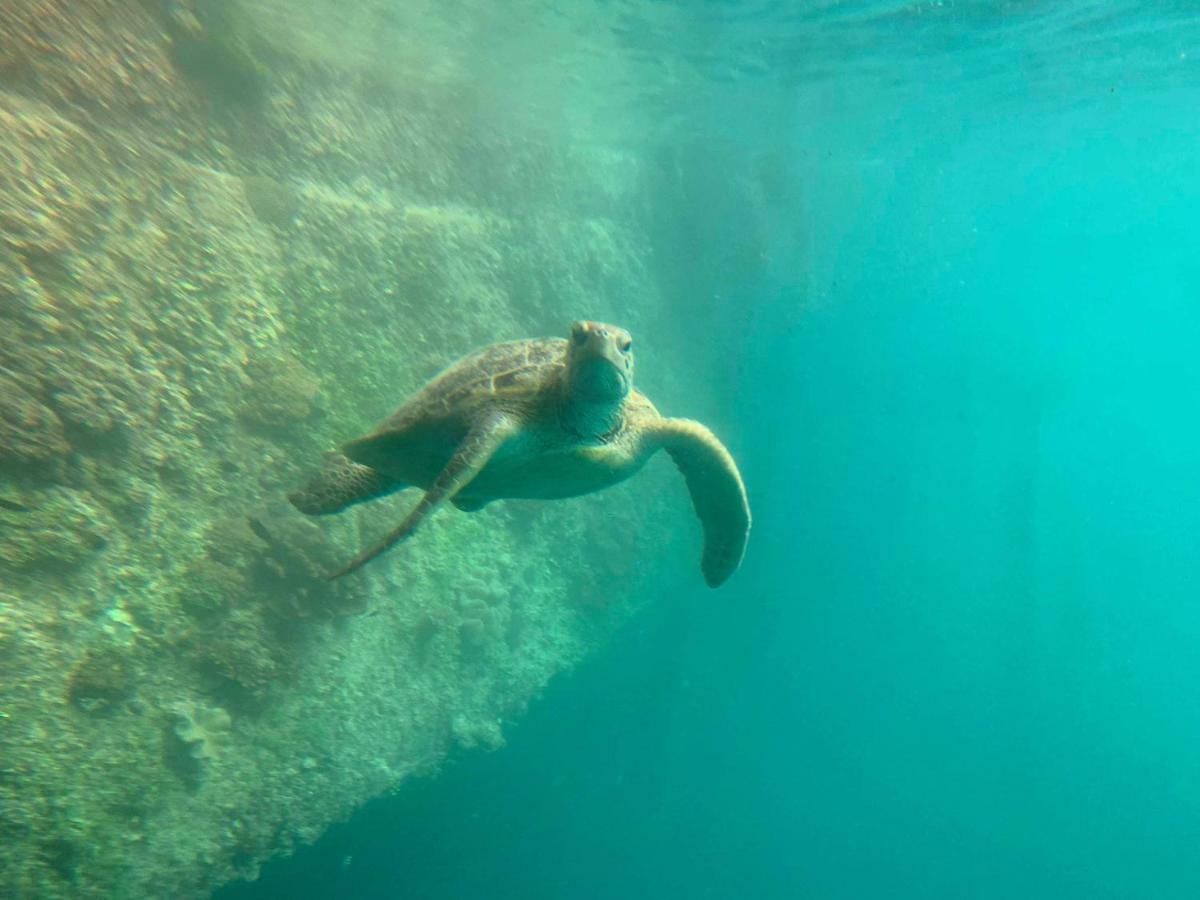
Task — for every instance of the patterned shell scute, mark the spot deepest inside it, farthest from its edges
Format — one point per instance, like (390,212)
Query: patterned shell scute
(512,367)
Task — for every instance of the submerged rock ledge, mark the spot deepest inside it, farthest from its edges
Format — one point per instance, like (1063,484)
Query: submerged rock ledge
(221,253)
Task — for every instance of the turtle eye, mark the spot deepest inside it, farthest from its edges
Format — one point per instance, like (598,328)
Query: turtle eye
(578,336)
(626,345)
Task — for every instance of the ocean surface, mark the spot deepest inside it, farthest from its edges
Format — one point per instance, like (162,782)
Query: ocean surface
(950,330)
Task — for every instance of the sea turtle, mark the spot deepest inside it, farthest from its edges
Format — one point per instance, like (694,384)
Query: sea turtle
(545,419)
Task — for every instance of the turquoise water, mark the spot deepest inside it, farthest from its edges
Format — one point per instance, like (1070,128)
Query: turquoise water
(955,322)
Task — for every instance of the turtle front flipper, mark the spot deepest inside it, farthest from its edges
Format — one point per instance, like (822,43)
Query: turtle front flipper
(340,483)
(482,441)
(718,493)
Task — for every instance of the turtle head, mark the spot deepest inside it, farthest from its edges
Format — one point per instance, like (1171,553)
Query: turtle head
(599,362)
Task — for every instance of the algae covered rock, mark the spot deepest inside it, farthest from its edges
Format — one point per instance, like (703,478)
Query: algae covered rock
(471,733)
(240,656)
(293,570)
(99,679)
(232,542)
(30,432)
(273,202)
(210,588)
(60,529)
(281,391)
(163,321)
(215,44)
(204,730)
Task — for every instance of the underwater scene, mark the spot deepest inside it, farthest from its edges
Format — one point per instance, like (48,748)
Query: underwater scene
(338,345)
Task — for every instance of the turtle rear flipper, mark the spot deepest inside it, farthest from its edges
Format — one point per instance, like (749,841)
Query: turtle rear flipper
(482,441)
(340,483)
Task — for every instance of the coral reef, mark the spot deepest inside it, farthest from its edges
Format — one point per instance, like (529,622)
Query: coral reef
(203,730)
(240,655)
(183,340)
(232,542)
(292,571)
(273,202)
(215,43)
(281,391)
(99,679)
(58,530)
(471,733)
(30,432)
(211,588)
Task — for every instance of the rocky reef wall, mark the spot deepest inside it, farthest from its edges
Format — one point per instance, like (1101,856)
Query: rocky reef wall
(232,235)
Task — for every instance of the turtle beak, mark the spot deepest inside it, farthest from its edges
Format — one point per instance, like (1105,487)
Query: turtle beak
(602,369)
(600,343)
(591,340)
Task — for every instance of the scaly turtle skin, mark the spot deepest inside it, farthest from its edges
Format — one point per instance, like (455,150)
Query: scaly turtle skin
(541,419)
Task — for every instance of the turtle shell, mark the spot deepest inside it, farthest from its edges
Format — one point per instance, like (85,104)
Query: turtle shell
(514,368)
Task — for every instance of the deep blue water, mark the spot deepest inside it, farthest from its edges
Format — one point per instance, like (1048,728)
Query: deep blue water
(963,656)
